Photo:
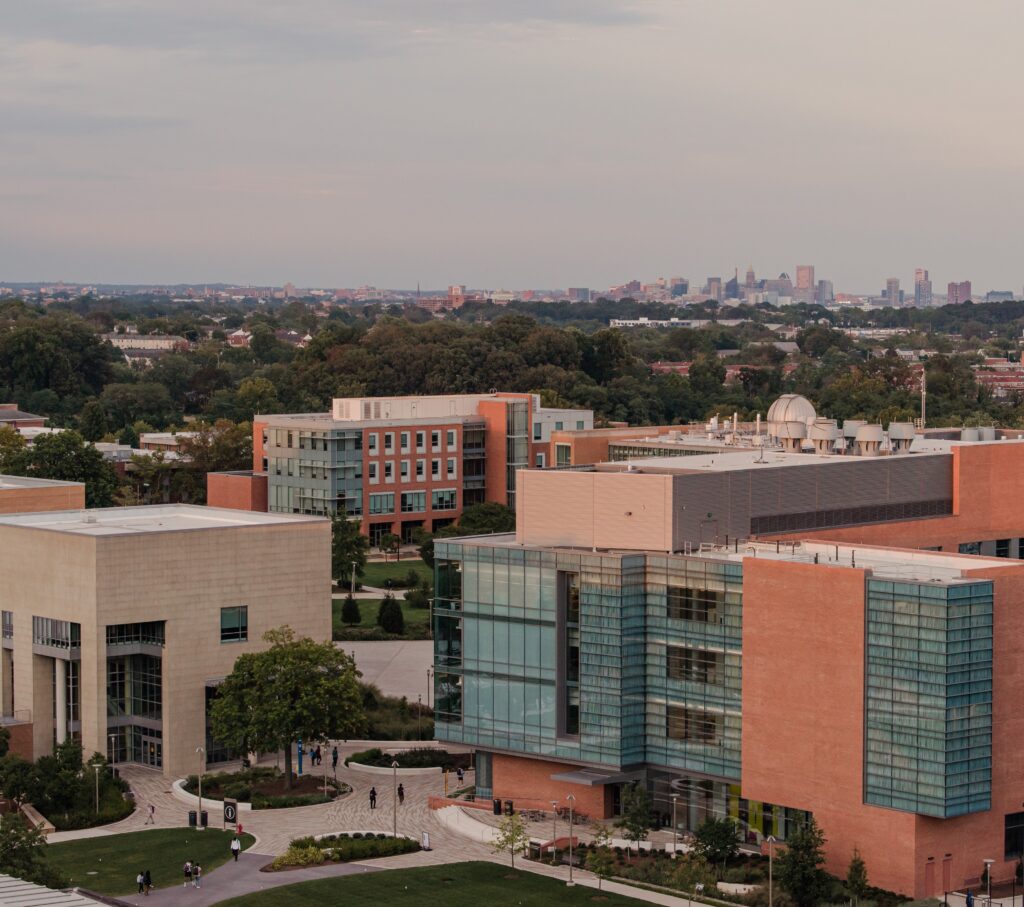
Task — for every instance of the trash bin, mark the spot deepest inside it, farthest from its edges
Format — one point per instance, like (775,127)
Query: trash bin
(508,808)
(191,818)
(205,818)
(497,807)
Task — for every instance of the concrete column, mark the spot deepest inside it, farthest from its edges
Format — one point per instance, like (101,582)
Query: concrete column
(60,667)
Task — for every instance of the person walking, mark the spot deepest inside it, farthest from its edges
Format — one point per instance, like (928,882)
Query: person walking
(147,882)
(319,755)
(401,794)
(151,815)
(970,898)
(373,798)
(236,846)
(188,873)
(458,774)
(197,876)
(334,760)
(140,880)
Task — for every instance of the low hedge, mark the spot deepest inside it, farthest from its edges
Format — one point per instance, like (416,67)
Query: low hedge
(419,757)
(261,802)
(344,848)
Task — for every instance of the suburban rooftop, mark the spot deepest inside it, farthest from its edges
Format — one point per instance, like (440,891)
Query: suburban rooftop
(151,518)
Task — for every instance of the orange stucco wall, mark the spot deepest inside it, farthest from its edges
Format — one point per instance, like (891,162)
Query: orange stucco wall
(527,782)
(494,413)
(42,497)
(239,491)
(803,735)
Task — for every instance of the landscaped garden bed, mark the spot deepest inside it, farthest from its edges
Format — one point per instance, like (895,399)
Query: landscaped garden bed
(420,757)
(340,848)
(264,788)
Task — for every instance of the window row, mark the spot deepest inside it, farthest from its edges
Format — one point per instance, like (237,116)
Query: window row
(407,469)
(413,501)
(373,441)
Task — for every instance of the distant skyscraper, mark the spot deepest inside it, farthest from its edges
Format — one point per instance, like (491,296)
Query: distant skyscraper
(957,293)
(922,288)
(714,288)
(732,286)
(892,291)
(578,294)
(826,294)
(679,286)
(751,280)
(805,277)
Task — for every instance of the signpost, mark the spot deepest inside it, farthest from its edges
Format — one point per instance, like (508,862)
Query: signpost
(230,813)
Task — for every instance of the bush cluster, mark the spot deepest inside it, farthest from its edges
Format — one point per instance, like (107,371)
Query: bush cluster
(343,848)
(419,757)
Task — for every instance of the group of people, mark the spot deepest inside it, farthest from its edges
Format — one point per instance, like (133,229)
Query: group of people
(194,874)
(373,796)
(145,882)
(316,757)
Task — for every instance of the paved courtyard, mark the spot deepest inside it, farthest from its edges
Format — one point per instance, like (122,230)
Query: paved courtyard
(398,668)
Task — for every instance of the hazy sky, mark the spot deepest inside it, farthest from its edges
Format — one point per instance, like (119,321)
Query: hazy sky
(510,143)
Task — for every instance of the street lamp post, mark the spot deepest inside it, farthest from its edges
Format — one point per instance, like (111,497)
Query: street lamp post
(353,578)
(394,799)
(430,674)
(419,717)
(201,753)
(988,878)
(572,802)
(96,768)
(554,827)
(675,799)
(113,749)
(771,860)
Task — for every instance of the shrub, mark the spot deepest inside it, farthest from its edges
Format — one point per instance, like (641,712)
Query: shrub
(389,616)
(306,841)
(299,856)
(261,802)
(350,613)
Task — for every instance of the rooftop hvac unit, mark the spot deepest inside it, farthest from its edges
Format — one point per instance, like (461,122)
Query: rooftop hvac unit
(869,440)
(850,427)
(824,433)
(987,433)
(901,436)
(970,434)
(791,433)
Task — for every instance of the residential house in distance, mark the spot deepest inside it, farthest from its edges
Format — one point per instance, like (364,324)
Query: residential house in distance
(17,419)
(397,464)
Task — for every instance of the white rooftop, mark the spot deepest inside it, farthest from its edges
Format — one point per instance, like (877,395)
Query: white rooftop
(16,893)
(744,458)
(152,518)
(29,482)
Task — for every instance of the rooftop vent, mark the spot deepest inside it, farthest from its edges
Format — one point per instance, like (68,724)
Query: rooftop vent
(869,440)
(901,436)
(790,434)
(824,433)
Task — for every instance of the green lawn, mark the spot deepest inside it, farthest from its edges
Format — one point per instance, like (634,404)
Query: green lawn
(454,885)
(117,859)
(377,572)
(416,619)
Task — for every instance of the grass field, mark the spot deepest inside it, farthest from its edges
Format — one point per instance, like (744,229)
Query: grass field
(416,619)
(377,572)
(109,864)
(454,885)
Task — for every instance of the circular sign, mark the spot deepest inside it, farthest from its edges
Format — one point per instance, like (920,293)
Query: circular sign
(230,812)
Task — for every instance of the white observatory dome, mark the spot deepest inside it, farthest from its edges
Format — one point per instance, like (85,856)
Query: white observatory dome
(791,408)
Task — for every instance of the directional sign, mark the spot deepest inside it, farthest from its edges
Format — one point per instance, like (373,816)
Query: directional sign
(231,812)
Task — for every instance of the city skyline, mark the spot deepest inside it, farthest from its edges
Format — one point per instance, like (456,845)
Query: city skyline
(231,141)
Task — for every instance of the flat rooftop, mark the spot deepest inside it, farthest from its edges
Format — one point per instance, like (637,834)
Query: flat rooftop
(743,459)
(151,518)
(327,422)
(884,563)
(22,482)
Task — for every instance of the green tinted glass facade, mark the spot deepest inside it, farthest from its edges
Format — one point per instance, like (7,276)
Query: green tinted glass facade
(928,746)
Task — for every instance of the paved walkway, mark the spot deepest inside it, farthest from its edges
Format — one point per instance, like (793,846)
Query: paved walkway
(397,668)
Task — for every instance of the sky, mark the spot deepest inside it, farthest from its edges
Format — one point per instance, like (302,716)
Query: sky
(510,143)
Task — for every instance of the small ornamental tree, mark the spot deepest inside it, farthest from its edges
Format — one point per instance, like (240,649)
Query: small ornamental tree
(512,837)
(800,865)
(636,814)
(296,689)
(390,617)
(350,613)
(348,547)
(391,544)
(717,841)
(23,853)
(857,876)
(601,860)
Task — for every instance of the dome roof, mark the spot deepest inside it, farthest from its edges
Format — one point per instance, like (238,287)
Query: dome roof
(791,408)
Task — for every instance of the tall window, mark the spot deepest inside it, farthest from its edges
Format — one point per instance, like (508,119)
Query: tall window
(382,503)
(420,441)
(414,501)
(371,443)
(389,442)
(435,440)
(700,605)
(234,624)
(563,455)
(451,439)
(442,500)
(693,664)
(404,440)
(452,467)
(1013,836)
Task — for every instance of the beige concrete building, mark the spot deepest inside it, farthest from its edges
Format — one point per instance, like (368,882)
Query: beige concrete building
(118,624)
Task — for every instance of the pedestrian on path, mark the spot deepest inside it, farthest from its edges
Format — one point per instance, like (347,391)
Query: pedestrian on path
(970,898)
(334,760)
(319,755)
(140,880)
(373,798)
(151,817)
(236,846)
(197,876)
(401,795)
(458,774)
(188,873)
(147,882)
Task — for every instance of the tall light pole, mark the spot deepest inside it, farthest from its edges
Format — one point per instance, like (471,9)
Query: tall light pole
(554,827)
(430,674)
(201,753)
(96,768)
(353,578)
(394,799)
(675,799)
(988,878)
(572,802)
(113,749)
(771,860)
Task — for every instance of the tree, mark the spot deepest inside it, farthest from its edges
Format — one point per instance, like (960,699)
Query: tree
(857,876)
(350,613)
(511,837)
(92,423)
(66,456)
(391,544)
(13,451)
(601,860)
(5,741)
(799,866)
(126,404)
(635,821)
(389,615)
(718,841)
(348,547)
(296,689)
(419,595)
(22,853)
(479,519)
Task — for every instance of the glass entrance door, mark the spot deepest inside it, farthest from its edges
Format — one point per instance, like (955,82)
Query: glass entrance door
(152,751)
